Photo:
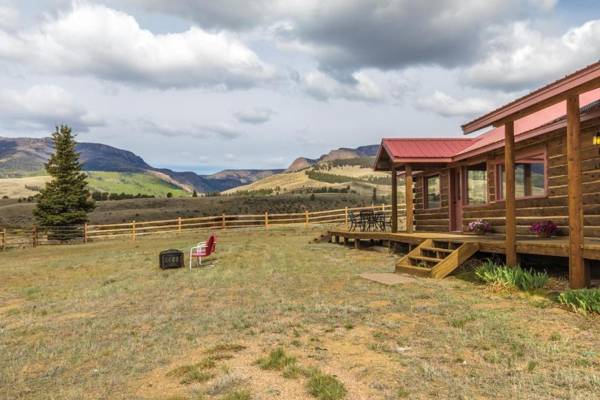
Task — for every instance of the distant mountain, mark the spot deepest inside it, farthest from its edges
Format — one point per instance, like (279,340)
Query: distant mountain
(20,157)
(343,153)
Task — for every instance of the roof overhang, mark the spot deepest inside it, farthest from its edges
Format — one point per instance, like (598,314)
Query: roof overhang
(542,130)
(578,82)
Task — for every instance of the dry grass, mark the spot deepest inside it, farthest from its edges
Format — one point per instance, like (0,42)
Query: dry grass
(102,321)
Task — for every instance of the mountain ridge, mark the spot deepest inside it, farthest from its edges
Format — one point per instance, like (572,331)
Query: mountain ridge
(20,157)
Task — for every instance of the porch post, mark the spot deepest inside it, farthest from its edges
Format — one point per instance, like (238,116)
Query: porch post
(408,178)
(394,200)
(510,203)
(578,274)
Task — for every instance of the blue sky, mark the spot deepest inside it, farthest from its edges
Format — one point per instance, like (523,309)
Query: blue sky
(208,85)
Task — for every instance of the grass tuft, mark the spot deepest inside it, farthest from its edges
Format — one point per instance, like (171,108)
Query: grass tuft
(581,300)
(238,395)
(325,387)
(277,360)
(226,348)
(510,278)
(195,372)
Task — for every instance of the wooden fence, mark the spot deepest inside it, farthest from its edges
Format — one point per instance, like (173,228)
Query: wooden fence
(37,236)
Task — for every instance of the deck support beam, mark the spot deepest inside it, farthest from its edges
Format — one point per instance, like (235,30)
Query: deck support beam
(408,180)
(578,270)
(394,200)
(510,202)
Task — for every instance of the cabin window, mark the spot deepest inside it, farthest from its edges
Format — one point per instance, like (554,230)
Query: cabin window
(476,184)
(433,197)
(530,176)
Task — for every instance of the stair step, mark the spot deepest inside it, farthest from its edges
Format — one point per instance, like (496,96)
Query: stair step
(411,269)
(423,258)
(438,249)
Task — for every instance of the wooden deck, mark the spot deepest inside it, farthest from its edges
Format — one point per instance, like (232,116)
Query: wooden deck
(558,246)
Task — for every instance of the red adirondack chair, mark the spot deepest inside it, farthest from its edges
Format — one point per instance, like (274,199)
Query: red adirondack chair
(203,249)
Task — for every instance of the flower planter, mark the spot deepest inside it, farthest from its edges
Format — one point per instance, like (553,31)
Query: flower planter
(544,235)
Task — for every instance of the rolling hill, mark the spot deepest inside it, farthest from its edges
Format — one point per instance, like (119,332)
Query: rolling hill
(25,157)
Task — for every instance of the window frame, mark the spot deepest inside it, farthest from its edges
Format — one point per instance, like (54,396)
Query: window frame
(465,183)
(521,154)
(426,191)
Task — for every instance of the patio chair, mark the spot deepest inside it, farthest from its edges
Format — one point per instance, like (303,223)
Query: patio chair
(353,221)
(203,249)
(368,220)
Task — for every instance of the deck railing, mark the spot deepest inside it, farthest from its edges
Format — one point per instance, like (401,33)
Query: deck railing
(37,236)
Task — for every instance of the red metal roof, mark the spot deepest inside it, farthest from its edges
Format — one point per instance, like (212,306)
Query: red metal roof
(580,81)
(417,150)
(446,150)
(495,138)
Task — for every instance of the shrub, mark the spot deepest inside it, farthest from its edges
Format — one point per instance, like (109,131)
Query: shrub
(581,300)
(238,395)
(511,277)
(325,387)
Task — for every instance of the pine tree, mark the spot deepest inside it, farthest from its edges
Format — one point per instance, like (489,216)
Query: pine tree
(66,200)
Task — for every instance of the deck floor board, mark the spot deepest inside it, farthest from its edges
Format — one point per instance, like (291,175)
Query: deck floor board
(557,246)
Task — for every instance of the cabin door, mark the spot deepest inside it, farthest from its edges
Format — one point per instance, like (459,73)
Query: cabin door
(455,197)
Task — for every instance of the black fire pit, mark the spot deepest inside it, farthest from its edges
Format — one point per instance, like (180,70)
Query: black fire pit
(171,258)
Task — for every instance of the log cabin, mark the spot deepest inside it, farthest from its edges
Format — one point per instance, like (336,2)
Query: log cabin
(539,161)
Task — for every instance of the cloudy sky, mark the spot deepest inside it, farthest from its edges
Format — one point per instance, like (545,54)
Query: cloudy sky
(205,85)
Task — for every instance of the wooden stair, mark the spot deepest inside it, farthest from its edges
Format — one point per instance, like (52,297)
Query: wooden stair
(436,258)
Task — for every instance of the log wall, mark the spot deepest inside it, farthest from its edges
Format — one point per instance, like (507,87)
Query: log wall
(553,206)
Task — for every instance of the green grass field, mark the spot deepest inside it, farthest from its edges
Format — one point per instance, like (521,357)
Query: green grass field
(275,318)
(132,183)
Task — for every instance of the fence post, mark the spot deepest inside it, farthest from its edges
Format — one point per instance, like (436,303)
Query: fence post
(179,224)
(85,229)
(34,236)
(266,220)
(346,216)
(133,231)
(3,239)
(306,218)
(223,222)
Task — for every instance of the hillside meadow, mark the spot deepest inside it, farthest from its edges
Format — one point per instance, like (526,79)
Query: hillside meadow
(274,317)
(13,213)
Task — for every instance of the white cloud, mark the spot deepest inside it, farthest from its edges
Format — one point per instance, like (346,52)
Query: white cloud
(521,57)
(9,17)
(109,44)
(223,130)
(43,107)
(448,106)
(256,115)
(324,87)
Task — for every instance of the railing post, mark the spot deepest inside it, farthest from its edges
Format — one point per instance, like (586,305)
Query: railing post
(223,224)
(179,224)
(85,230)
(3,239)
(133,231)
(346,217)
(306,218)
(266,220)
(34,236)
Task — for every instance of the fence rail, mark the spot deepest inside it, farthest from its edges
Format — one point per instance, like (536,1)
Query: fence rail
(38,236)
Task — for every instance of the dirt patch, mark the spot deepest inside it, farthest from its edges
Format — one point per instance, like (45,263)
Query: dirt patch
(11,305)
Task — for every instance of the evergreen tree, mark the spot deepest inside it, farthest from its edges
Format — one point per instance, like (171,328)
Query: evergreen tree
(195,194)
(65,200)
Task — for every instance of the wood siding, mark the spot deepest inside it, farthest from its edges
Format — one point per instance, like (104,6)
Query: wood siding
(553,206)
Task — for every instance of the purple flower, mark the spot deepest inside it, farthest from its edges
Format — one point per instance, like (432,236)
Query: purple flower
(543,228)
(479,226)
